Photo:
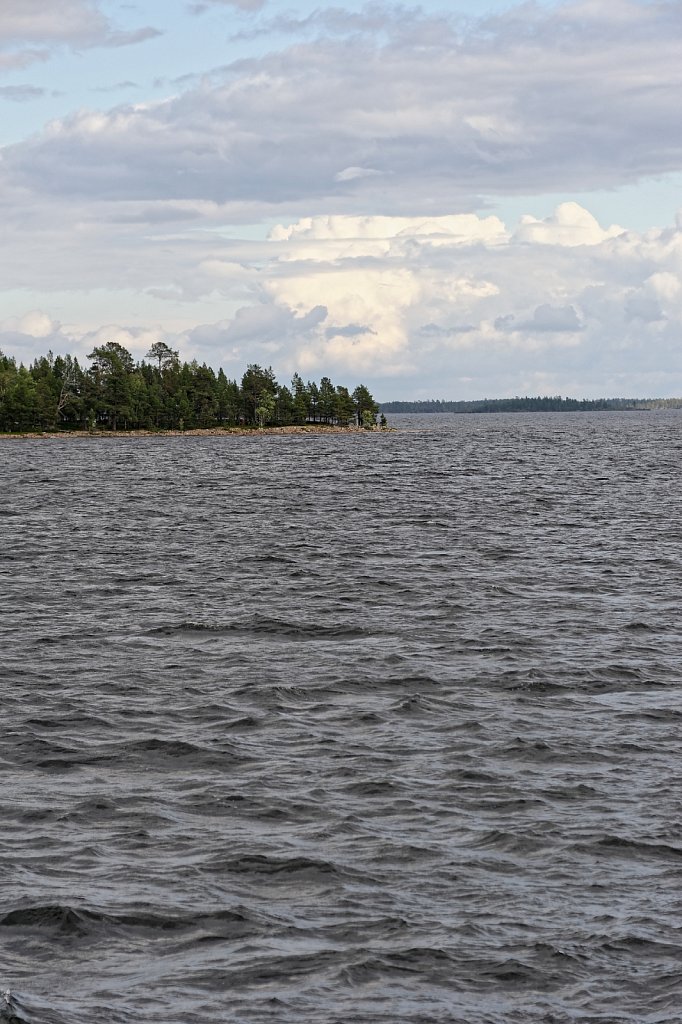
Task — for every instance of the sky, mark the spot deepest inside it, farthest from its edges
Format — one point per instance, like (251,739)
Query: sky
(453,201)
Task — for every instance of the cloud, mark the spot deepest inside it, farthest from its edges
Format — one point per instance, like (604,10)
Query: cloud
(242,5)
(34,324)
(367,141)
(139,35)
(569,225)
(545,318)
(40,21)
(353,173)
(33,334)
(74,23)
(502,310)
(21,93)
(117,86)
(445,330)
(657,298)
(400,122)
(22,58)
(375,299)
(346,237)
(554,318)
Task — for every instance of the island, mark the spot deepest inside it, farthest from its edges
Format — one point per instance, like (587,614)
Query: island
(116,394)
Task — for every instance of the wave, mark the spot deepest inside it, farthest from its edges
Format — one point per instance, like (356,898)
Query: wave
(258,625)
(82,922)
(9,1009)
(303,868)
(639,847)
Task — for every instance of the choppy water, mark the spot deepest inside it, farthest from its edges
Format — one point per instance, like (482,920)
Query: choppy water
(379,728)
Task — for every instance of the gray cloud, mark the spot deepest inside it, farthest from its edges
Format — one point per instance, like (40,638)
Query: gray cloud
(553,318)
(643,307)
(21,58)
(139,35)
(117,86)
(575,104)
(432,330)
(546,319)
(21,93)
(74,23)
(349,331)
(263,333)
(40,21)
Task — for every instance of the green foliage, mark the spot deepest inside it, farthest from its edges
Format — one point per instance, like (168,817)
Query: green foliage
(345,406)
(365,406)
(117,393)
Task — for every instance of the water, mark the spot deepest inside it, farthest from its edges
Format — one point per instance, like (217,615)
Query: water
(378,728)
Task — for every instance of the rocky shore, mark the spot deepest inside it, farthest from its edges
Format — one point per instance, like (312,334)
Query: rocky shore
(308,428)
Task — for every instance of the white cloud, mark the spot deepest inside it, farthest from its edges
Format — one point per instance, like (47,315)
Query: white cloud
(353,173)
(452,229)
(665,286)
(244,5)
(33,324)
(569,225)
(338,295)
(658,298)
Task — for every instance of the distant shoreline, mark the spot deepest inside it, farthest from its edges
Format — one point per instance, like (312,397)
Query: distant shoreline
(532,404)
(311,428)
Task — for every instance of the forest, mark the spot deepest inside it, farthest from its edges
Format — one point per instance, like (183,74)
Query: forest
(554,403)
(162,393)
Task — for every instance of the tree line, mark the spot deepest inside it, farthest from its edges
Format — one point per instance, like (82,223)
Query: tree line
(553,403)
(160,392)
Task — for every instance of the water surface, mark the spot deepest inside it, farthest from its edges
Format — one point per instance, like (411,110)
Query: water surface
(365,728)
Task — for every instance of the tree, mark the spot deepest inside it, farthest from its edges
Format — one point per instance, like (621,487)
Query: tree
(313,400)
(204,393)
(345,406)
(116,392)
(229,399)
(301,399)
(258,387)
(68,374)
(140,408)
(365,407)
(328,403)
(164,355)
(265,410)
(285,413)
(18,398)
(110,373)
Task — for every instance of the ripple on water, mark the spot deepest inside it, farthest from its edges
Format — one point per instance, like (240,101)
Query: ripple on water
(344,729)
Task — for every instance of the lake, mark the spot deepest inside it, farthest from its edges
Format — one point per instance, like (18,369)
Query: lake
(344,729)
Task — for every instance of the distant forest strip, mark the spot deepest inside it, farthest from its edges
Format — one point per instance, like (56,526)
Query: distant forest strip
(547,404)
(162,393)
